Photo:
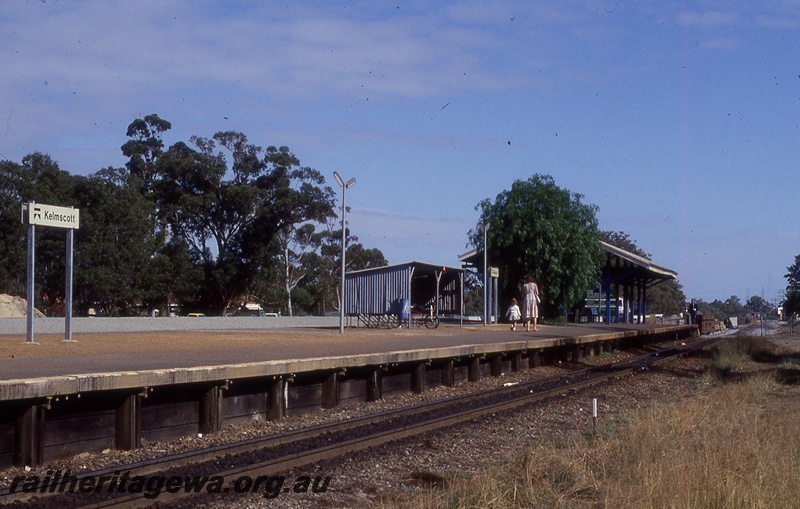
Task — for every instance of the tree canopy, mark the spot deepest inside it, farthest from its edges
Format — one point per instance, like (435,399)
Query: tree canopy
(228,209)
(791,304)
(539,229)
(208,224)
(793,275)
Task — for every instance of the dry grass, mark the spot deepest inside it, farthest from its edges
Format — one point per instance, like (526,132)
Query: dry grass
(733,445)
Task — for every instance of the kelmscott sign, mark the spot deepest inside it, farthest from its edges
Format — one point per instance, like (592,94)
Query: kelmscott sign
(50,215)
(37,214)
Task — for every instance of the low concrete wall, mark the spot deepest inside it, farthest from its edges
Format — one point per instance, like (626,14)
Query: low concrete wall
(181,323)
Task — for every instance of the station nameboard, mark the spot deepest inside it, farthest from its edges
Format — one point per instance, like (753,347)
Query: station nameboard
(50,215)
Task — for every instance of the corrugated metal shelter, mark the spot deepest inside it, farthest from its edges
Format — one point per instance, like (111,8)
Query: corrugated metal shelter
(380,291)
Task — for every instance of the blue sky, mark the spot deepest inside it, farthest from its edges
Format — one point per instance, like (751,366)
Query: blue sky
(679,120)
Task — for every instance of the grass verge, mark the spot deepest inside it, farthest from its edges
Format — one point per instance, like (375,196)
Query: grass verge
(733,445)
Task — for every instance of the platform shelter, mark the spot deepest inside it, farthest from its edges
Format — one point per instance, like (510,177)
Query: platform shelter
(625,275)
(377,296)
(629,276)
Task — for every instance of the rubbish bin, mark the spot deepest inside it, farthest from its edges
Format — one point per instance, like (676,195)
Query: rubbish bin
(405,309)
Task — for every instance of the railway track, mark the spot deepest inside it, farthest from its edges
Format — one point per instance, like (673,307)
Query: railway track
(220,468)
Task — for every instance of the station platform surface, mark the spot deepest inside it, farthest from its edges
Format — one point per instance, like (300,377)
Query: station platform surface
(138,351)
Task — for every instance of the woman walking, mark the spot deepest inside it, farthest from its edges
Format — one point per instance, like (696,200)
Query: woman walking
(530,310)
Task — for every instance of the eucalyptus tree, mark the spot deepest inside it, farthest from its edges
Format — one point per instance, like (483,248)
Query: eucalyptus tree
(229,209)
(145,147)
(113,246)
(12,233)
(37,178)
(321,285)
(295,244)
(541,230)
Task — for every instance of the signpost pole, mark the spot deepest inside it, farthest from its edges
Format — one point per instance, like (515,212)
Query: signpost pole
(31,247)
(68,291)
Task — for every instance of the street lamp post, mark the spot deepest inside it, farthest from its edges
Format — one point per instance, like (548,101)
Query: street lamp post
(345,186)
(485,227)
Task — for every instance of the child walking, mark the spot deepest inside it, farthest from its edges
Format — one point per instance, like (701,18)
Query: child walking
(513,314)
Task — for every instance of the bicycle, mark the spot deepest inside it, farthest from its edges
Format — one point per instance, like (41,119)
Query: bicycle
(419,317)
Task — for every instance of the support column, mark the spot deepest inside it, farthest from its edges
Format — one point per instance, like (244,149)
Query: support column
(374,385)
(29,437)
(629,309)
(516,362)
(128,423)
(639,315)
(211,410)
(276,400)
(534,359)
(449,374)
(474,371)
(497,366)
(418,378)
(606,287)
(330,391)
(494,300)
(644,300)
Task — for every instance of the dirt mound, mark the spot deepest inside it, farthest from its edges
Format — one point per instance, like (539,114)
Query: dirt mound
(15,307)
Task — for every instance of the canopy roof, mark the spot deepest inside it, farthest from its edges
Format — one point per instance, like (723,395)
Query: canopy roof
(624,266)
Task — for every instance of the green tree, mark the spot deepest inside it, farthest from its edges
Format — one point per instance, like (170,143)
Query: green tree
(623,241)
(175,277)
(666,297)
(793,275)
(720,310)
(473,294)
(539,229)
(113,245)
(791,306)
(733,307)
(12,234)
(324,266)
(294,244)
(38,178)
(230,223)
(758,304)
(145,147)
